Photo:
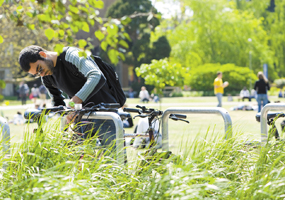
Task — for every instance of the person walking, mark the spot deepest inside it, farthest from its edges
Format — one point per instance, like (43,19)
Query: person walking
(261,86)
(79,77)
(219,87)
(23,92)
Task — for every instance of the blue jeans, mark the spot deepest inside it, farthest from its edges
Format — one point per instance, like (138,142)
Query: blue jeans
(104,129)
(261,98)
(219,96)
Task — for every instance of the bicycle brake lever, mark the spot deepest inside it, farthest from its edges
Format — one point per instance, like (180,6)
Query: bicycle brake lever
(179,119)
(142,116)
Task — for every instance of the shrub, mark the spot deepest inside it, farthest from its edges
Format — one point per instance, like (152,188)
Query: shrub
(202,77)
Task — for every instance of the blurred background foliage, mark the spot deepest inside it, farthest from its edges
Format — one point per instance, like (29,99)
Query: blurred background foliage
(236,37)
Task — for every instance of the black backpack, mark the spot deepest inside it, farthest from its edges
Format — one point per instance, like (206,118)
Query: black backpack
(112,80)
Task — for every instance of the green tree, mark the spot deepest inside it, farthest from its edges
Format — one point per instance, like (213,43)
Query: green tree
(272,14)
(161,73)
(63,19)
(218,33)
(141,48)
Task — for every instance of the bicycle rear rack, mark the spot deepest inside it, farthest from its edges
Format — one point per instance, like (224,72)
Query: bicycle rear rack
(192,110)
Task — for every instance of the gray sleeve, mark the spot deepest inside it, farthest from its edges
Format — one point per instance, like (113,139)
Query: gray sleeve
(89,68)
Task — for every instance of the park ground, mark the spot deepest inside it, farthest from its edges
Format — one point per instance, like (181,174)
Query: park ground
(244,122)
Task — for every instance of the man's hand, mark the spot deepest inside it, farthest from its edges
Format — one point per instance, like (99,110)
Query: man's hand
(70,117)
(74,100)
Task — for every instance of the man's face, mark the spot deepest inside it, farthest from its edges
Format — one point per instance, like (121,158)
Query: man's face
(42,67)
(220,75)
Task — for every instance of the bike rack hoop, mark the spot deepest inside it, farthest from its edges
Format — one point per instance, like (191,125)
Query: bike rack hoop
(263,118)
(193,110)
(5,129)
(119,131)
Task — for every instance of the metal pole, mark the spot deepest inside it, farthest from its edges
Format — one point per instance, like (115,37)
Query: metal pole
(193,110)
(5,129)
(263,117)
(250,67)
(119,131)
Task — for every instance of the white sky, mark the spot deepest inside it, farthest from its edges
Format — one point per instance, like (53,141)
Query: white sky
(167,7)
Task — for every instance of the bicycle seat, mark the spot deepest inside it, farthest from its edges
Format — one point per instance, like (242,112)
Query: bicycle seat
(270,115)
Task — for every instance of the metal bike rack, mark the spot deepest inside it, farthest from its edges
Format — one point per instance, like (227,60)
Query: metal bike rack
(5,129)
(119,131)
(263,117)
(192,110)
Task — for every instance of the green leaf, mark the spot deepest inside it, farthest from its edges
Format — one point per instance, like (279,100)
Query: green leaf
(19,8)
(99,4)
(82,43)
(125,20)
(112,54)
(104,45)
(127,36)
(99,35)
(73,9)
(1,39)
(122,56)
(124,44)
(58,48)
(1,2)
(85,27)
(31,26)
(82,54)
(49,33)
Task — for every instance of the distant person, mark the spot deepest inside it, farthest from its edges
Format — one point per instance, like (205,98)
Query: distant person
(219,87)
(280,95)
(253,94)
(131,93)
(42,94)
(230,98)
(23,92)
(261,86)
(144,95)
(244,94)
(35,93)
(18,119)
(154,96)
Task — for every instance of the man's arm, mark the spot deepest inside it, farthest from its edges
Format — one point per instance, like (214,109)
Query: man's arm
(89,68)
(55,94)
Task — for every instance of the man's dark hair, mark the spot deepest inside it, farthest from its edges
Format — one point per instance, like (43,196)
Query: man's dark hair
(218,73)
(29,55)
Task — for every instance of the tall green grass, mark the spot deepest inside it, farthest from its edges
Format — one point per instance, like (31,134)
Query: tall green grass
(47,166)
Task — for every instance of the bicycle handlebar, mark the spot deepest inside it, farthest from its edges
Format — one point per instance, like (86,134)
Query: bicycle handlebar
(143,111)
(35,114)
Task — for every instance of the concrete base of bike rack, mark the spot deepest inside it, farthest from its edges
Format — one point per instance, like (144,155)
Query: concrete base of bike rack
(119,131)
(193,110)
(263,118)
(5,130)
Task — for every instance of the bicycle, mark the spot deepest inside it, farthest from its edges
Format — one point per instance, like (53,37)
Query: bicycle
(153,117)
(84,128)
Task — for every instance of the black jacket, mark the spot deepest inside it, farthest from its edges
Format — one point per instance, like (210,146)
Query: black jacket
(261,87)
(67,78)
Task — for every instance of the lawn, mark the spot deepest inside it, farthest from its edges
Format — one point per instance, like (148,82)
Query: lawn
(204,165)
(244,122)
